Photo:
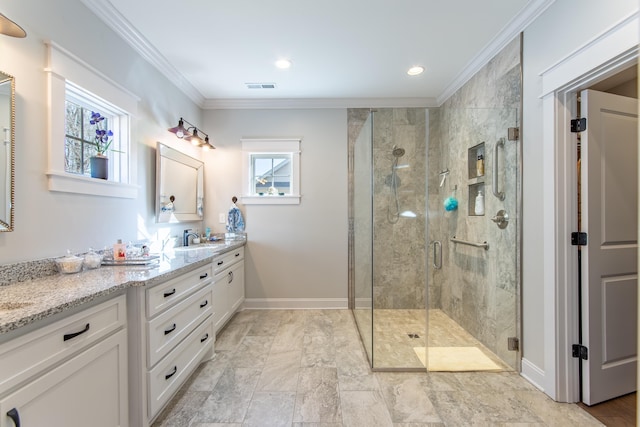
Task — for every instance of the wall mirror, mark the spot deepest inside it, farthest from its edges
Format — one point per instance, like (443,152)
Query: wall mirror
(7,150)
(179,186)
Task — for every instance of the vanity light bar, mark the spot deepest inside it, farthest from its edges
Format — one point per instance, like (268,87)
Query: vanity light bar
(190,134)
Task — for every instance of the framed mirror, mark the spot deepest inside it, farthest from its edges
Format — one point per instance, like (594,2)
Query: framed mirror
(7,150)
(179,186)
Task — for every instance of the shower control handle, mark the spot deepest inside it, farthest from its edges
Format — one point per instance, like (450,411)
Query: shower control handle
(501,219)
(437,255)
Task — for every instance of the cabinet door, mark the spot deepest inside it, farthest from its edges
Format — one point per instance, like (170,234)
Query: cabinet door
(220,301)
(88,390)
(235,279)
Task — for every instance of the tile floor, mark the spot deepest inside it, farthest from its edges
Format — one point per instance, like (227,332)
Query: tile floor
(392,346)
(307,368)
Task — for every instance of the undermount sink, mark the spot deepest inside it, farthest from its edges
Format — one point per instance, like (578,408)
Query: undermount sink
(207,245)
(195,247)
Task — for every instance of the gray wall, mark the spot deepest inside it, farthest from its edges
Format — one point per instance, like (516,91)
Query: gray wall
(294,252)
(477,288)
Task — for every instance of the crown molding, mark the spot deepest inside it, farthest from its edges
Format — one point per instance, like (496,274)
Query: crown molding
(118,23)
(508,33)
(105,11)
(311,103)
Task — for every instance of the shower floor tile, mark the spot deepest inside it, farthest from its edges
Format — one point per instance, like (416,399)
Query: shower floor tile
(398,332)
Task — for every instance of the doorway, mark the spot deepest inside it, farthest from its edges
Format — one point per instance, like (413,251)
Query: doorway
(607,194)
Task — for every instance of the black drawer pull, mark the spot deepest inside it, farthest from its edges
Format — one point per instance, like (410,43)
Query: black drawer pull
(220,262)
(206,337)
(175,369)
(67,337)
(204,304)
(171,329)
(171,292)
(204,276)
(13,414)
(238,254)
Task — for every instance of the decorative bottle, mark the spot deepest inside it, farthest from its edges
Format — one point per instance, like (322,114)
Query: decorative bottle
(119,251)
(480,165)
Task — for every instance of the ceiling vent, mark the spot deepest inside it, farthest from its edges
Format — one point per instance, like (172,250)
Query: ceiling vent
(260,85)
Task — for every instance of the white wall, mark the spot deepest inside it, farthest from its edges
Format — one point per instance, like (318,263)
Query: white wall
(559,31)
(48,223)
(293,251)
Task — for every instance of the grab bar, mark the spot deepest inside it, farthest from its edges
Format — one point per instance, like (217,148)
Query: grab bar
(498,194)
(437,265)
(483,245)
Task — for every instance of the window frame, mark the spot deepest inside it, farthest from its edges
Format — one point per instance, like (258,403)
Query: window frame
(67,75)
(254,148)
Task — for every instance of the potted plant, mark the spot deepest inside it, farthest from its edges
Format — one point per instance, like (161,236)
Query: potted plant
(102,141)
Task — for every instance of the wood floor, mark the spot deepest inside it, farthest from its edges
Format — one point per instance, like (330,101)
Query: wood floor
(620,412)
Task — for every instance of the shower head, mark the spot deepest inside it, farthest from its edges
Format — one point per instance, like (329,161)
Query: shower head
(397,151)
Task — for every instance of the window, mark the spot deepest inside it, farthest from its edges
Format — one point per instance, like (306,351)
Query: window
(272,171)
(80,135)
(271,174)
(75,91)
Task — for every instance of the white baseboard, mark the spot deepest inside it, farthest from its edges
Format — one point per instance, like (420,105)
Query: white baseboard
(533,374)
(295,303)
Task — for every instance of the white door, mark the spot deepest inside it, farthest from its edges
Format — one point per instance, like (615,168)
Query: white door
(609,193)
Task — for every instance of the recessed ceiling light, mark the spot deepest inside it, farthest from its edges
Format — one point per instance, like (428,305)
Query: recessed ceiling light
(414,71)
(283,63)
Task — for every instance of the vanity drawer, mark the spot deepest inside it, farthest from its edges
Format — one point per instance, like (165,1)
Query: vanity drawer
(30,354)
(225,260)
(170,327)
(167,377)
(168,293)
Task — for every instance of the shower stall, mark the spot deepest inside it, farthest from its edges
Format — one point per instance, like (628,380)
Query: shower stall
(435,227)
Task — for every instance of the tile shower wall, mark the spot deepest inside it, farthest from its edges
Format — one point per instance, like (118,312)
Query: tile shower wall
(399,275)
(477,288)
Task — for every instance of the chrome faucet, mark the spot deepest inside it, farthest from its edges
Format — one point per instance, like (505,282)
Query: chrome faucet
(185,236)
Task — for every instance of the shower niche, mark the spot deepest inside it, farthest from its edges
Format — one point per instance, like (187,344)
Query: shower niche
(476,168)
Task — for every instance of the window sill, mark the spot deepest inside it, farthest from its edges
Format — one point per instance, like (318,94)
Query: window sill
(271,200)
(70,183)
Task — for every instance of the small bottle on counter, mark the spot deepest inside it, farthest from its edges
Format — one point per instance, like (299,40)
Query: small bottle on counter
(119,251)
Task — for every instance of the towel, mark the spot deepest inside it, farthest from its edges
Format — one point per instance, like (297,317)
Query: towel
(235,222)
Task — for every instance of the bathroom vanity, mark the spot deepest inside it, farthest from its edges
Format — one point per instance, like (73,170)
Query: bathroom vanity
(110,347)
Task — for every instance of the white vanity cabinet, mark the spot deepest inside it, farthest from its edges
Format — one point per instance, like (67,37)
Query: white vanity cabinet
(170,333)
(70,373)
(228,286)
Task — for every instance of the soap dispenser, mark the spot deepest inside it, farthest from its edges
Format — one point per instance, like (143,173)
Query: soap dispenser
(479,208)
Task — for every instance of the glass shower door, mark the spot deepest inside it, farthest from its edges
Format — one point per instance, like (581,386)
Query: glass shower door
(361,158)
(474,297)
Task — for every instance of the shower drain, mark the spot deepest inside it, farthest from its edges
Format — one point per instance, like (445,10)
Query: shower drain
(413,335)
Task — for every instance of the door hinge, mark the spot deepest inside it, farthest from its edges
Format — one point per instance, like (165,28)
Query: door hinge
(513,344)
(580,351)
(513,134)
(578,238)
(579,125)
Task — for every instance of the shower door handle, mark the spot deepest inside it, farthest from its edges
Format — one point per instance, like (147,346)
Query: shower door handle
(498,194)
(437,255)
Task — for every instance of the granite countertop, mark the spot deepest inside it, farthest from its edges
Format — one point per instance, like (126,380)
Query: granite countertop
(23,303)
